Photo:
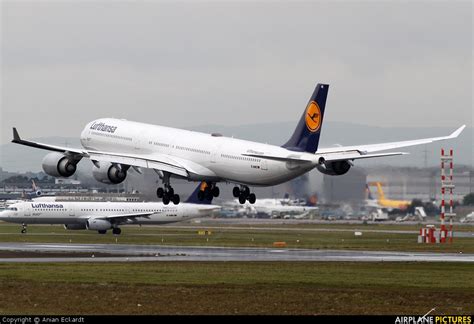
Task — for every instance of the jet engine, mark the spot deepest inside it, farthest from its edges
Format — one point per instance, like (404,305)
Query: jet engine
(110,173)
(75,226)
(59,165)
(333,168)
(95,224)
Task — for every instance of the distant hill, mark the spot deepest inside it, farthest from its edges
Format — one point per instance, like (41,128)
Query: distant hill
(17,158)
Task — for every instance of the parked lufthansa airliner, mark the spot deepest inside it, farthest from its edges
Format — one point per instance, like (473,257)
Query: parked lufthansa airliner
(103,216)
(116,145)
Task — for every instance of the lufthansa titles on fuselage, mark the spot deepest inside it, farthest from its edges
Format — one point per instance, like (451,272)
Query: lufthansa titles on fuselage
(47,206)
(103,127)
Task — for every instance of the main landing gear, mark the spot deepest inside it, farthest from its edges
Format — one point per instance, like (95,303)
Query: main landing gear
(243,193)
(208,191)
(115,231)
(167,193)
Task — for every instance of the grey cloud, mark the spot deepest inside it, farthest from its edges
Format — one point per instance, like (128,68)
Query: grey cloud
(388,63)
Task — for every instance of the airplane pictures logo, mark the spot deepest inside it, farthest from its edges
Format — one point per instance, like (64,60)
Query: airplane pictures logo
(313,117)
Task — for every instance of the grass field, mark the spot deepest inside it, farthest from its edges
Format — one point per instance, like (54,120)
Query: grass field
(237,288)
(304,236)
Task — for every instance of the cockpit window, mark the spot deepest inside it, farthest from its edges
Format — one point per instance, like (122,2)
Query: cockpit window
(12,208)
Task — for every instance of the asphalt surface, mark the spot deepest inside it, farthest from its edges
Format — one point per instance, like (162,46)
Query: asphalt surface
(135,253)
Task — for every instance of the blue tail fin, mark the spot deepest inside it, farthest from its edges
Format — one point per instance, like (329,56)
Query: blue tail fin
(306,135)
(193,199)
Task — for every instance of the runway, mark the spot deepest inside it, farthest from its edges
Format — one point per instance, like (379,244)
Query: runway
(136,253)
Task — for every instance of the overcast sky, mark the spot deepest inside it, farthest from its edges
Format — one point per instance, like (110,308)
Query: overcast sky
(195,63)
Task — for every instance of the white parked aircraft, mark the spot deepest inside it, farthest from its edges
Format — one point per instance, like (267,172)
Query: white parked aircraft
(116,145)
(102,216)
(276,208)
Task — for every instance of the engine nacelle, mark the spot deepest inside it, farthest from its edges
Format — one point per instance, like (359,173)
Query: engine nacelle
(334,168)
(95,224)
(59,165)
(75,226)
(109,173)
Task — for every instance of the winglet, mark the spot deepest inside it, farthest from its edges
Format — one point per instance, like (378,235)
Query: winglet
(457,132)
(16,137)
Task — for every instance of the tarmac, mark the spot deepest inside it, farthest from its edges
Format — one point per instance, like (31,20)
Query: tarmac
(139,253)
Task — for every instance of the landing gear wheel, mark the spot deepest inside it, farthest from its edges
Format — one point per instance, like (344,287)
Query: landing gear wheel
(167,193)
(242,199)
(236,192)
(252,198)
(246,191)
(23,230)
(102,231)
(215,191)
(160,192)
(116,231)
(175,199)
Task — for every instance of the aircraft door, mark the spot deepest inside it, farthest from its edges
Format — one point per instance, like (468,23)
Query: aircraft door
(140,138)
(215,151)
(26,211)
(72,212)
(264,165)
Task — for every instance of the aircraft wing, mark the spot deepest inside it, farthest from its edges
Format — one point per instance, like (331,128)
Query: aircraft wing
(161,162)
(354,152)
(128,216)
(370,148)
(331,156)
(62,149)
(121,216)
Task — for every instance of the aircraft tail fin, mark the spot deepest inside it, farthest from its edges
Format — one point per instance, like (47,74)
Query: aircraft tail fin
(306,135)
(194,198)
(380,191)
(369,194)
(36,189)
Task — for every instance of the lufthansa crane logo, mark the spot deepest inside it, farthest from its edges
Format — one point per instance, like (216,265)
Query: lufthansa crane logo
(313,117)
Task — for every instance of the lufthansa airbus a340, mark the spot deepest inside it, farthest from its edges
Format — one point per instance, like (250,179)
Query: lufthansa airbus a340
(116,145)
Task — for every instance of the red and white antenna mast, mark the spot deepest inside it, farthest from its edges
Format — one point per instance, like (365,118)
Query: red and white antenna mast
(447,184)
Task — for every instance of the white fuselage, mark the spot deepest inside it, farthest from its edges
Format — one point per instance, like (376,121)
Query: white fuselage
(275,207)
(221,157)
(77,213)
